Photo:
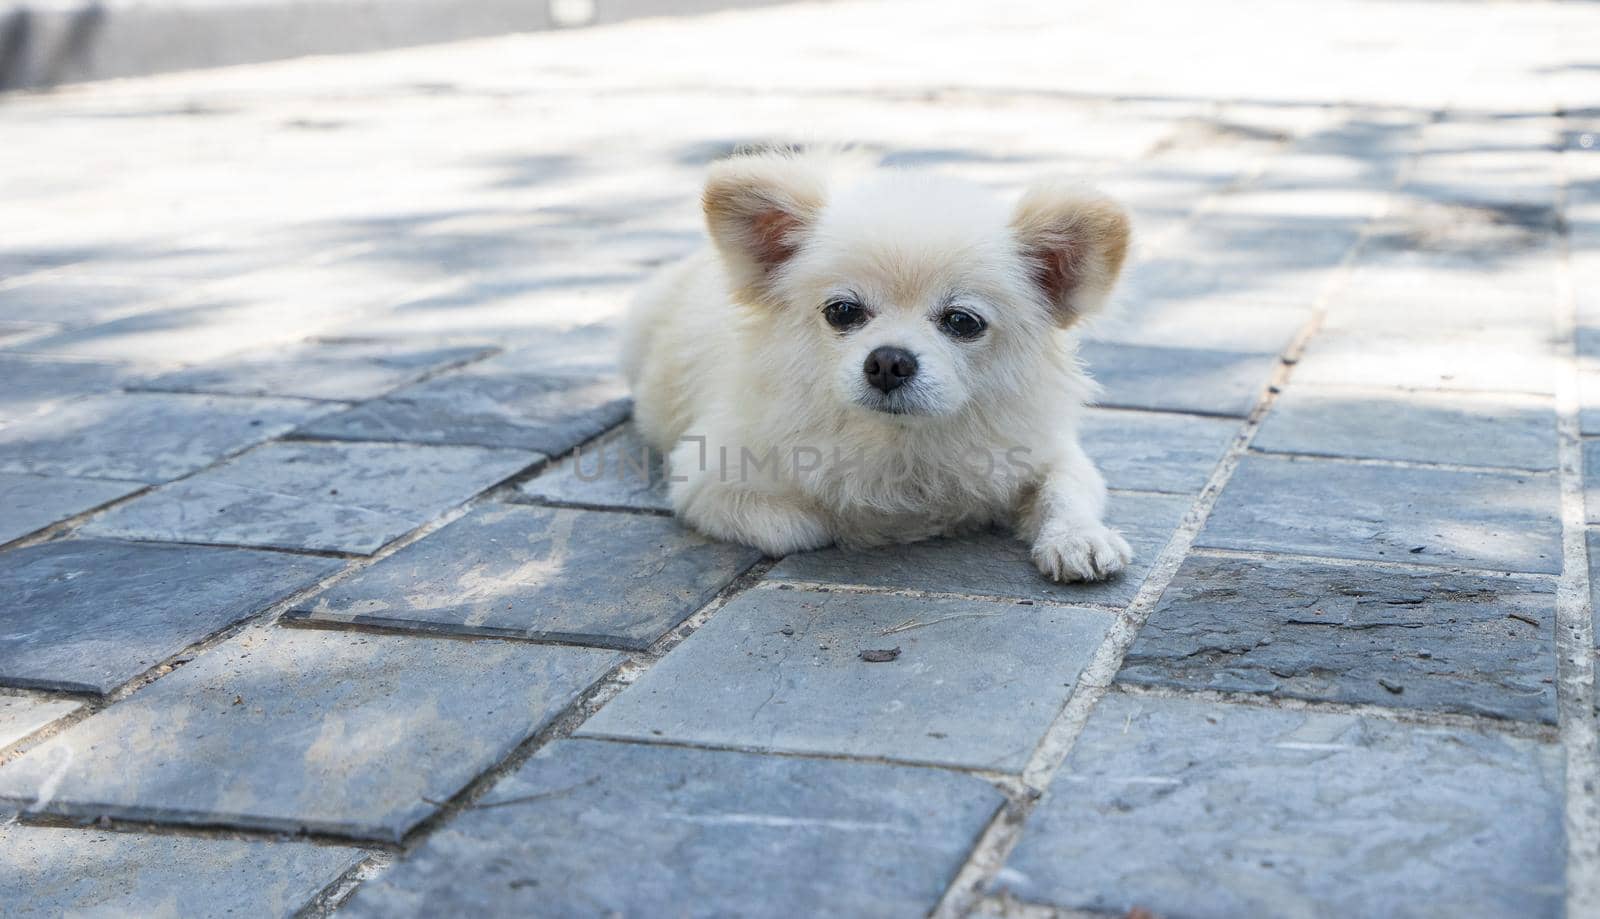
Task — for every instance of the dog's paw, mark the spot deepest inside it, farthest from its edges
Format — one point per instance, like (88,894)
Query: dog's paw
(1087,556)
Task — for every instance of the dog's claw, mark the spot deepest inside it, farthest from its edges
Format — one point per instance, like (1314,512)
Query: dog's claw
(1091,556)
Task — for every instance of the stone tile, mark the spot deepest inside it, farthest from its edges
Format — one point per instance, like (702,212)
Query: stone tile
(330,497)
(548,413)
(615,471)
(1503,521)
(306,729)
(145,437)
(36,383)
(587,350)
(701,830)
(1236,327)
(994,564)
(1469,429)
(613,580)
(1178,379)
(22,715)
(975,683)
(346,370)
(75,302)
(87,615)
(1593,541)
(1197,809)
(1591,478)
(29,503)
(48,871)
(1440,641)
(1499,360)
(1150,451)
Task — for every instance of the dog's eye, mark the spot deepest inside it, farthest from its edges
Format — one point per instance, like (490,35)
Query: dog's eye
(844,314)
(962,324)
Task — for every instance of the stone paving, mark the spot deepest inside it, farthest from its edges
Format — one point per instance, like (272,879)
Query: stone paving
(334,580)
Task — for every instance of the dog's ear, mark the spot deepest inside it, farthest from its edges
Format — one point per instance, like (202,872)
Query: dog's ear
(759,209)
(1074,240)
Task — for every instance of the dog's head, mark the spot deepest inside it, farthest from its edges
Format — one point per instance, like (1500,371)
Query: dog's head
(909,294)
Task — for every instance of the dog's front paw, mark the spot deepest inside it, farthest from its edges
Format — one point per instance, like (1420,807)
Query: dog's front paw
(1087,556)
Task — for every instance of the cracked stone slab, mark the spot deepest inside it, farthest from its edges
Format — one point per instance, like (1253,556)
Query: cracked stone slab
(549,413)
(616,471)
(89,615)
(329,497)
(968,683)
(1178,379)
(34,383)
(556,574)
(1200,809)
(1468,429)
(50,871)
(291,730)
(1151,451)
(145,437)
(1439,641)
(701,827)
(1499,520)
(29,503)
(20,716)
(995,564)
(346,370)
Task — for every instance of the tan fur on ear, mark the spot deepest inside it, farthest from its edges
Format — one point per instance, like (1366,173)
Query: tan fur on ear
(758,209)
(1076,240)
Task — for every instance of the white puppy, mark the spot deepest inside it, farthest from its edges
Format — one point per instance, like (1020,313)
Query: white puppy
(880,357)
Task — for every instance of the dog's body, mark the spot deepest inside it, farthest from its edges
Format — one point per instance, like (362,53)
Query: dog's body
(877,360)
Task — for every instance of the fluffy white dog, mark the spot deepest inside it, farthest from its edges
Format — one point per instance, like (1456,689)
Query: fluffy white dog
(880,356)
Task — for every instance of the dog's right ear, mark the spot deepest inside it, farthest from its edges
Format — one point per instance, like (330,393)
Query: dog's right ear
(759,209)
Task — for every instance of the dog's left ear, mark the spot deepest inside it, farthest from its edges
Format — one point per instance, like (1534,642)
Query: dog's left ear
(1074,240)
(759,209)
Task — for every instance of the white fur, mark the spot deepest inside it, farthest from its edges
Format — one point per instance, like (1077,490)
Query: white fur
(774,437)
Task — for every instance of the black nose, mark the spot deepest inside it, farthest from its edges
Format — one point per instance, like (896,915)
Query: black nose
(889,368)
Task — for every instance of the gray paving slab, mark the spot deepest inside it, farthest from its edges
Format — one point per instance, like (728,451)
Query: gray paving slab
(1236,327)
(1591,479)
(706,833)
(1498,520)
(614,471)
(22,715)
(970,683)
(64,300)
(582,351)
(145,437)
(556,574)
(330,497)
(291,730)
(345,370)
(1154,451)
(1514,430)
(89,615)
(50,871)
(1438,641)
(546,412)
(995,564)
(1593,542)
(35,383)
(1198,809)
(1492,360)
(1178,379)
(29,503)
